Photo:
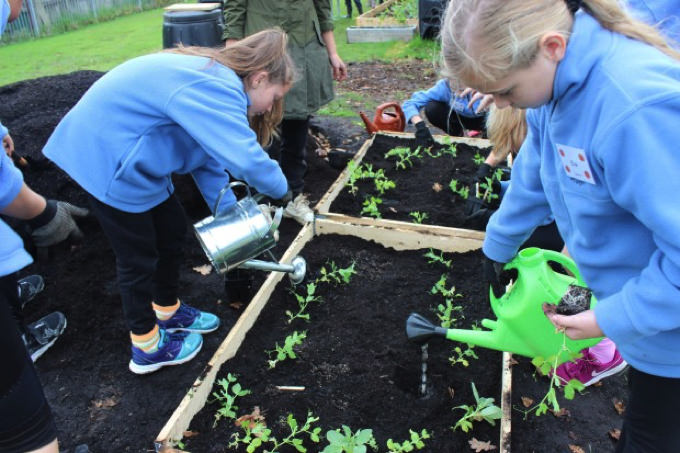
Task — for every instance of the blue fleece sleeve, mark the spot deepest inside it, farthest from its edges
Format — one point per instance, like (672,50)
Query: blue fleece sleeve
(3,131)
(641,162)
(523,207)
(439,92)
(11,180)
(214,113)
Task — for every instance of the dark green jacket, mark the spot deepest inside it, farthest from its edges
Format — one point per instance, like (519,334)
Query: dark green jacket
(304,21)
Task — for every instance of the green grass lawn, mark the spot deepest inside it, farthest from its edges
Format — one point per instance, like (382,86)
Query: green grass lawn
(102,46)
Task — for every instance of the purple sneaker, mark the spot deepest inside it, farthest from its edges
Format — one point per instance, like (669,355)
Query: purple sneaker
(173,349)
(589,371)
(190,319)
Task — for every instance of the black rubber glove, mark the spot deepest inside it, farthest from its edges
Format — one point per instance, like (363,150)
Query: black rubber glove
(423,135)
(285,199)
(495,276)
(56,223)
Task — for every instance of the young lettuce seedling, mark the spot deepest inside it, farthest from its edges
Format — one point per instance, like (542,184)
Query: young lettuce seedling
(462,191)
(418,217)
(432,257)
(348,442)
(484,409)
(414,443)
(370,207)
(286,351)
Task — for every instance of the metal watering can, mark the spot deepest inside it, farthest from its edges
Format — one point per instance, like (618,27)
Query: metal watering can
(522,327)
(233,237)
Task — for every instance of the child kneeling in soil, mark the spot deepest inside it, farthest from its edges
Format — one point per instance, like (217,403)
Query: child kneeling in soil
(188,110)
(601,155)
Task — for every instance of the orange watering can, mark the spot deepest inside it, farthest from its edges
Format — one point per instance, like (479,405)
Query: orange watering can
(522,327)
(388,117)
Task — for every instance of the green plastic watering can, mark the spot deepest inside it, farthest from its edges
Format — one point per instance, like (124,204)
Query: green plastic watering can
(522,327)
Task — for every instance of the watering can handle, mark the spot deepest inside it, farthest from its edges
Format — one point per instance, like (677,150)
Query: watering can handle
(565,261)
(224,190)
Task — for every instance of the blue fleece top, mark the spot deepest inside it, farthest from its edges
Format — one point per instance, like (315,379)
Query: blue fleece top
(618,101)
(440,92)
(156,115)
(664,14)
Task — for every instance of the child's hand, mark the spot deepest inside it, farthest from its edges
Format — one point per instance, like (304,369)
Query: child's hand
(577,327)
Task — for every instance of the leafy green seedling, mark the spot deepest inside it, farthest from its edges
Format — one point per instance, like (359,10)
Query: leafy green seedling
(440,288)
(370,207)
(484,409)
(227,393)
(484,190)
(432,257)
(445,312)
(414,443)
(354,170)
(382,183)
(348,442)
(336,275)
(462,191)
(404,155)
(419,217)
(451,150)
(256,434)
(478,158)
(461,355)
(303,301)
(286,351)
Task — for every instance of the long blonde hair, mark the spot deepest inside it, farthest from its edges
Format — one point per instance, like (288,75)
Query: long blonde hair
(506,129)
(485,40)
(262,51)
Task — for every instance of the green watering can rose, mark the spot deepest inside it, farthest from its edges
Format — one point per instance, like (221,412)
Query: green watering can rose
(521,326)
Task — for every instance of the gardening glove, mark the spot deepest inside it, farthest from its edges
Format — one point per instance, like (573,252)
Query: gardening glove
(56,223)
(477,203)
(495,276)
(477,215)
(423,135)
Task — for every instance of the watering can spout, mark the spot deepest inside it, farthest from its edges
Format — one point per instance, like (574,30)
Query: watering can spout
(370,127)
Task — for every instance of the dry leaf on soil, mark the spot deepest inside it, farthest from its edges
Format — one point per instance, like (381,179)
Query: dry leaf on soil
(437,187)
(105,403)
(252,419)
(236,305)
(526,401)
(561,413)
(478,445)
(203,270)
(575,449)
(619,406)
(615,433)
(188,434)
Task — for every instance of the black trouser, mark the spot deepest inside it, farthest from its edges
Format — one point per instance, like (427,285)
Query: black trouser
(441,116)
(290,150)
(650,423)
(545,237)
(26,421)
(149,250)
(348,3)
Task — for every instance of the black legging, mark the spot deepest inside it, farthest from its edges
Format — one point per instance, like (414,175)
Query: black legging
(348,3)
(26,421)
(149,251)
(290,150)
(441,116)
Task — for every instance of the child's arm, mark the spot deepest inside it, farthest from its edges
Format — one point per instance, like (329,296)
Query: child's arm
(439,92)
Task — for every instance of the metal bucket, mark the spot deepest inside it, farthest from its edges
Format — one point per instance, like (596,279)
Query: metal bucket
(237,234)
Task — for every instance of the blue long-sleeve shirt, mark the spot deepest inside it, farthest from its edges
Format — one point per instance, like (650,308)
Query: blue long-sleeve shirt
(617,102)
(440,92)
(12,254)
(664,14)
(157,115)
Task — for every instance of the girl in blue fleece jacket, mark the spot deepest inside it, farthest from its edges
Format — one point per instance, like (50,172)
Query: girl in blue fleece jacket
(192,110)
(601,155)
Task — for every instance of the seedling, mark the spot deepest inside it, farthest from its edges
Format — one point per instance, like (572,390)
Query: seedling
(461,355)
(548,367)
(404,155)
(434,153)
(419,217)
(440,288)
(462,191)
(227,393)
(484,409)
(335,274)
(303,301)
(445,312)
(478,159)
(382,183)
(286,351)
(354,170)
(432,257)
(348,442)
(450,150)
(484,190)
(256,434)
(370,207)
(414,443)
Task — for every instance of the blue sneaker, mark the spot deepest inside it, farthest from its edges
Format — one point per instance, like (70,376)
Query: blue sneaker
(173,349)
(190,319)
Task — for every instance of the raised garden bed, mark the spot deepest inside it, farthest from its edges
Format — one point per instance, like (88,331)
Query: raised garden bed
(390,21)
(421,184)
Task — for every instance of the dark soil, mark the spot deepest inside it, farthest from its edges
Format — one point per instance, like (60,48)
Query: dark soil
(423,187)
(97,401)
(356,365)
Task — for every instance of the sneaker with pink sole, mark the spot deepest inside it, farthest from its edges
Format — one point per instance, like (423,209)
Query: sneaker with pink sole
(588,370)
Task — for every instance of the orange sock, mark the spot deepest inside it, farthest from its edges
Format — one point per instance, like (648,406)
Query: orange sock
(165,313)
(147,342)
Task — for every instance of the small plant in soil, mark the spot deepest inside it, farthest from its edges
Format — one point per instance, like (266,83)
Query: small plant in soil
(370,207)
(303,301)
(484,190)
(450,150)
(404,154)
(483,410)
(463,356)
(478,159)
(256,434)
(281,353)
(433,257)
(226,394)
(462,191)
(348,442)
(335,274)
(401,11)
(382,183)
(445,312)
(440,288)
(418,217)
(354,176)
(414,443)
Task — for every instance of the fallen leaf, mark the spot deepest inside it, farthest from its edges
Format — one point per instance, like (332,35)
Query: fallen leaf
(451,392)
(188,434)
(251,420)
(203,270)
(513,362)
(615,433)
(478,445)
(437,187)
(527,402)
(561,413)
(393,210)
(619,406)
(105,403)
(575,449)
(236,305)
